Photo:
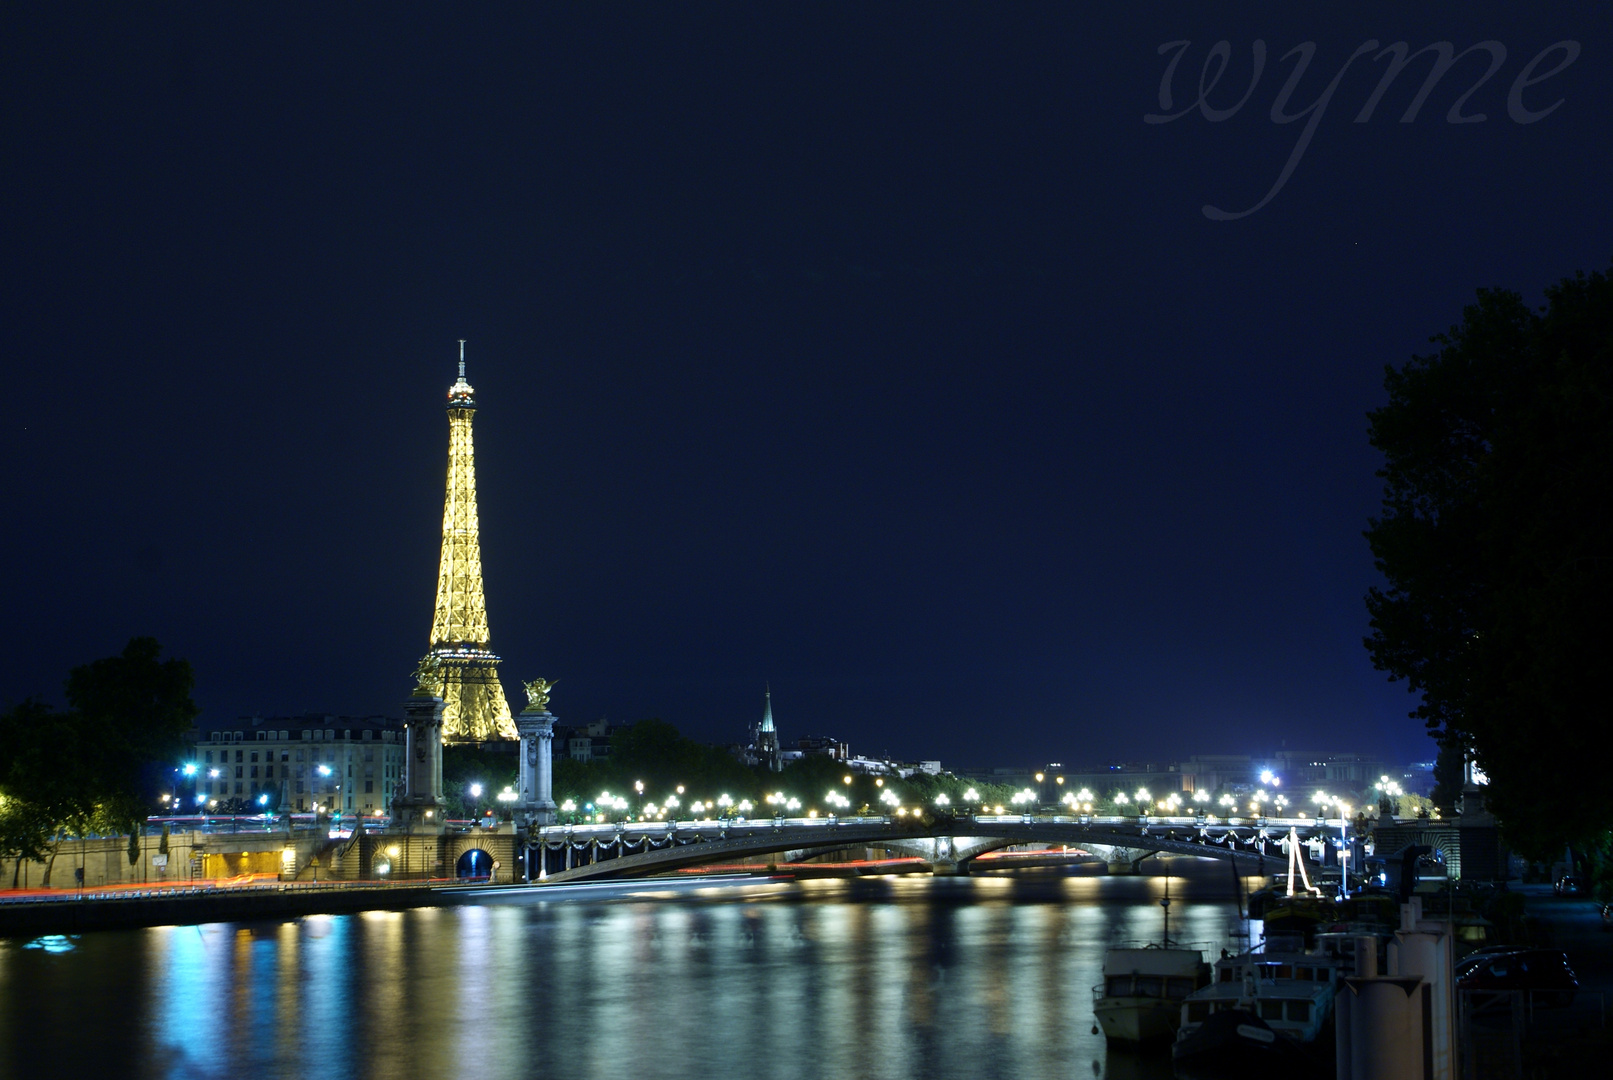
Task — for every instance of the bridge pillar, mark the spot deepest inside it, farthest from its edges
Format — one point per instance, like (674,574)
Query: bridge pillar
(944,861)
(536,803)
(421,804)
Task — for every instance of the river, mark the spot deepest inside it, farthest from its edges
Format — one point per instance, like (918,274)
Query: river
(861,979)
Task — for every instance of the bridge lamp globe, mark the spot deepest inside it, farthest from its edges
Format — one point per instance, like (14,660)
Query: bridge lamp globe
(475,791)
(1120,798)
(638,786)
(724,800)
(744,806)
(680,789)
(1142,795)
(846,779)
(971,795)
(1039,778)
(879,781)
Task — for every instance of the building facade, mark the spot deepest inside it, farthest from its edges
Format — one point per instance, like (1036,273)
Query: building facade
(295,763)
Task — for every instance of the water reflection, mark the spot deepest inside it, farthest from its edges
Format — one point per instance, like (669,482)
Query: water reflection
(879,978)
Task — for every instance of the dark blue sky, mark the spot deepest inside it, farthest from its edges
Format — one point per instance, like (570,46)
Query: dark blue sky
(884,353)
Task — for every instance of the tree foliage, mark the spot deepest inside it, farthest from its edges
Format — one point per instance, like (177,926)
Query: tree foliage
(1496,545)
(97,765)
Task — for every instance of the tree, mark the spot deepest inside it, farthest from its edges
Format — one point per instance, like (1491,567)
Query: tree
(1450,768)
(96,766)
(1496,546)
(136,711)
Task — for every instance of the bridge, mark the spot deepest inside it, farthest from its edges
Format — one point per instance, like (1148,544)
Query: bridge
(948,843)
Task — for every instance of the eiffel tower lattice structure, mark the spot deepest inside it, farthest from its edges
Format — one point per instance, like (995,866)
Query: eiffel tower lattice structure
(474,708)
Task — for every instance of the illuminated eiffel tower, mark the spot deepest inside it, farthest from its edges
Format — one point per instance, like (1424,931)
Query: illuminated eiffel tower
(474,708)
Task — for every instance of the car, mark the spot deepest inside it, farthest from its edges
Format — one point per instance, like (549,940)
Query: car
(1569,885)
(1607,916)
(1541,972)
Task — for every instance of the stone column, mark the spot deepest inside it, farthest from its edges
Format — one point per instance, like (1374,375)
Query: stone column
(536,806)
(421,804)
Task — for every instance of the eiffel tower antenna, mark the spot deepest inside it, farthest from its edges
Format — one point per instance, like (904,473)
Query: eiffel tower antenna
(474,709)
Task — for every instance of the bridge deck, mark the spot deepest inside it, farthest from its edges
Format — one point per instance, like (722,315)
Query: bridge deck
(630,849)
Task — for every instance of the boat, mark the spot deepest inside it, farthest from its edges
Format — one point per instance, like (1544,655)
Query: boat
(1234,1043)
(1143,989)
(1264,1005)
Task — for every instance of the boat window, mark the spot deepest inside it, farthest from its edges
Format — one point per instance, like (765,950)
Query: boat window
(1177,988)
(1118,986)
(1299,1011)
(1198,1011)
(1285,971)
(1271,1010)
(1150,986)
(1226,974)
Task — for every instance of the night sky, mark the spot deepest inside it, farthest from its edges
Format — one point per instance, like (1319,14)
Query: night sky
(883,353)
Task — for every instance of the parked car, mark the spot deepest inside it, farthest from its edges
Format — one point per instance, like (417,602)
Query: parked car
(1543,972)
(1607,916)
(1569,885)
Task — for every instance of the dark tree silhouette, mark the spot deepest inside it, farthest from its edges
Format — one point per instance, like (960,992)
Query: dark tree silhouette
(1496,544)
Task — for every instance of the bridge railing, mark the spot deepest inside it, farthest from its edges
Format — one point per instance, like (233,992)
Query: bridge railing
(742,825)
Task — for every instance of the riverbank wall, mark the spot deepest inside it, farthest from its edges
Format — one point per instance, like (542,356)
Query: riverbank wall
(185,906)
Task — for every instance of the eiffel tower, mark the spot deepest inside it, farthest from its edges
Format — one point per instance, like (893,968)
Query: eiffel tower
(474,708)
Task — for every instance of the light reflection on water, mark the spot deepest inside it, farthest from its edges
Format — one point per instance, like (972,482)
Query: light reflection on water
(875,978)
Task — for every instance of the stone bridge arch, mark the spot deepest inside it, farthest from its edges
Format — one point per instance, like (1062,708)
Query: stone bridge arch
(947,844)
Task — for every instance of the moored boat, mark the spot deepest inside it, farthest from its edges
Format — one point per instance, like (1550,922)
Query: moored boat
(1288,995)
(1143,989)
(1234,1043)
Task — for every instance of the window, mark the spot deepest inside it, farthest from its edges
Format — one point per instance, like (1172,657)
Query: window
(1271,1010)
(210,757)
(299,788)
(238,776)
(238,787)
(1198,1011)
(369,753)
(1299,1011)
(254,771)
(238,755)
(299,755)
(1150,986)
(254,757)
(369,787)
(285,755)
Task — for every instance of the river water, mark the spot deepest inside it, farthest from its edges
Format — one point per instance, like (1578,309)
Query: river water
(874,978)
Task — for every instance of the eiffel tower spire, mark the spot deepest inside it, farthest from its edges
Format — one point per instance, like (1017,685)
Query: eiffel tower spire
(474,708)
